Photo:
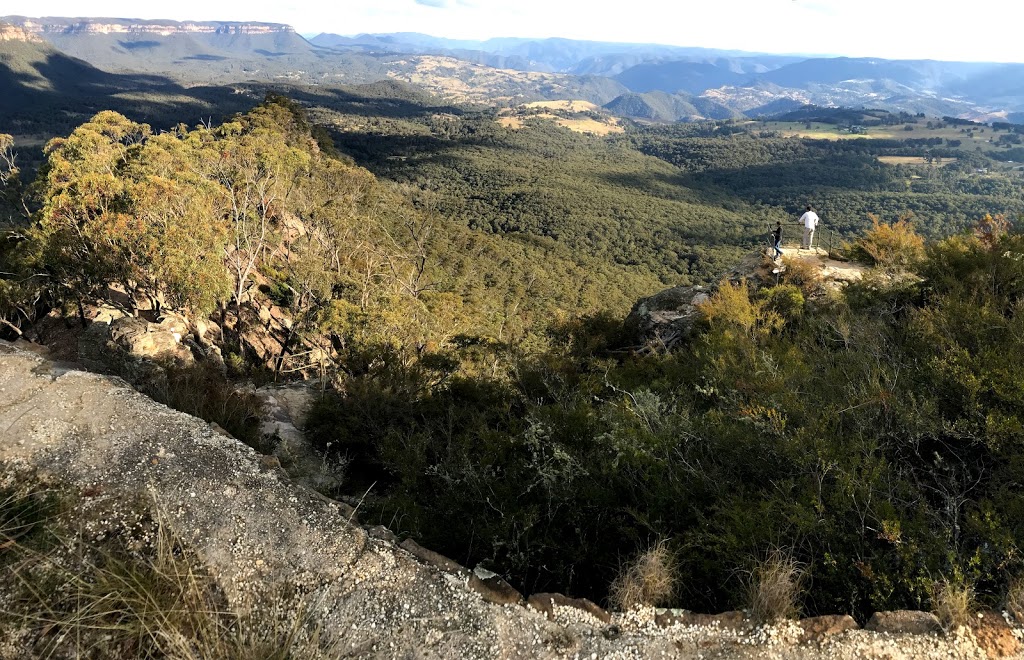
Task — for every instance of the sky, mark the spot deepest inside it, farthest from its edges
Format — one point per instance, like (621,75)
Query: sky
(982,30)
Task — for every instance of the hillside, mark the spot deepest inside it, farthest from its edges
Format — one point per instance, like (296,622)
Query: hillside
(512,71)
(295,572)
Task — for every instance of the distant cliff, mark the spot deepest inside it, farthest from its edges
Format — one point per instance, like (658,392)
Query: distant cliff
(14,33)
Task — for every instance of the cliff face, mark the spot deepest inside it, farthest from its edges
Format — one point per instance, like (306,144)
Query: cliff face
(10,32)
(67,26)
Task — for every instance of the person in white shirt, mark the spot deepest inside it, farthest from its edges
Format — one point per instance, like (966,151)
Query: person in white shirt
(810,222)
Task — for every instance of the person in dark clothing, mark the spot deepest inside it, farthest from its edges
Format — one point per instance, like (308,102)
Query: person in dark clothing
(777,239)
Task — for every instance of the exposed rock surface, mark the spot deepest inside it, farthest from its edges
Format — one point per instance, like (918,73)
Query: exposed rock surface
(260,533)
(286,408)
(668,316)
(904,621)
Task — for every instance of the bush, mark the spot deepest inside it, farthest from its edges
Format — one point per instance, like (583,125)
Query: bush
(895,246)
(202,390)
(649,579)
(801,273)
(774,588)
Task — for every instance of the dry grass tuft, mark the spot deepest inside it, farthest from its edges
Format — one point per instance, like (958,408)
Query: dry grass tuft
(142,593)
(953,602)
(1015,599)
(774,587)
(649,579)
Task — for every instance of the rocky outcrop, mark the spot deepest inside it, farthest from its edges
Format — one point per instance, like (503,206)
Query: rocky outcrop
(667,317)
(286,407)
(131,347)
(904,621)
(10,32)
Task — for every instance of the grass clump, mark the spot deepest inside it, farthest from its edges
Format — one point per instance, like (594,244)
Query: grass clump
(649,579)
(1015,599)
(953,601)
(774,587)
(133,590)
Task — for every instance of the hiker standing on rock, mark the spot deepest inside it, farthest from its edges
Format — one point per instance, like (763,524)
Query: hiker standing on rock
(810,222)
(777,239)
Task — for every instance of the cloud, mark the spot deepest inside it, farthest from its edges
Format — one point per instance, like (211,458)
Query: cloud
(437,4)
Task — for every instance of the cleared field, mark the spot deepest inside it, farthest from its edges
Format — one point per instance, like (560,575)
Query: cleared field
(602,127)
(977,139)
(570,106)
(915,160)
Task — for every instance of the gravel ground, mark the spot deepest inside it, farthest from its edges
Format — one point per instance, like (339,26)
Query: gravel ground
(263,535)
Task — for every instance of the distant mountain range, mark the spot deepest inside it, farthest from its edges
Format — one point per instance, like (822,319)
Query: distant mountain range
(643,81)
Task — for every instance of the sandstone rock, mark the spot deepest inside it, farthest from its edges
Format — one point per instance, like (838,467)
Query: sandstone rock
(904,621)
(545,602)
(147,340)
(281,316)
(434,559)
(286,407)
(995,637)
(108,314)
(264,346)
(174,323)
(668,316)
(493,588)
(818,627)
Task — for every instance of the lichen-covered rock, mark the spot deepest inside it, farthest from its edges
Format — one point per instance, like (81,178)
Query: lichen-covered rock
(434,559)
(734,620)
(669,316)
(904,621)
(818,627)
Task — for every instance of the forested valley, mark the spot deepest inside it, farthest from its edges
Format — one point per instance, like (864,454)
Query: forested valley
(459,288)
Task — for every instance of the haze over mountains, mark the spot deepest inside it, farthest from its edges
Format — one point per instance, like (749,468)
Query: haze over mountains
(642,81)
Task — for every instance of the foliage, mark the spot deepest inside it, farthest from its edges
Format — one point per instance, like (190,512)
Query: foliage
(895,246)
(876,433)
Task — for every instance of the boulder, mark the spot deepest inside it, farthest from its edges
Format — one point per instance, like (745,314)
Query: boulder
(546,602)
(669,316)
(493,588)
(129,347)
(818,627)
(146,340)
(904,621)
(434,559)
